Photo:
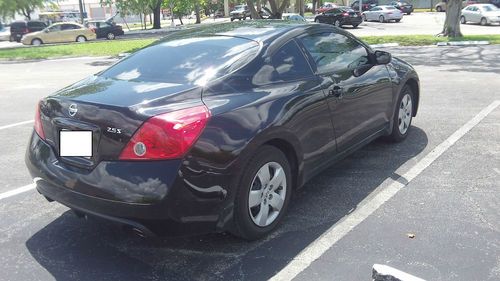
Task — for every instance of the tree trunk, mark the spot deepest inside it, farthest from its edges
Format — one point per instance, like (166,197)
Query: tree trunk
(180,19)
(259,5)
(157,15)
(253,12)
(197,11)
(451,26)
(296,8)
(315,6)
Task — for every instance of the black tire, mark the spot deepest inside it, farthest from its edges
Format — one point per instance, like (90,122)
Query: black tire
(355,25)
(110,36)
(398,20)
(409,13)
(381,19)
(364,17)
(316,20)
(483,21)
(36,42)
(11,38)
(439,9)
(81,38)
(337,23)
(463,20)
(244,224)
(232,19)
(397,135)
(245,17)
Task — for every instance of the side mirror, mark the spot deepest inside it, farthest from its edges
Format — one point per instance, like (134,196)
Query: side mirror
(46,30)
(382,57)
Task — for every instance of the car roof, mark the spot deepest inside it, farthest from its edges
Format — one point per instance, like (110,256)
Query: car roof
(257,30)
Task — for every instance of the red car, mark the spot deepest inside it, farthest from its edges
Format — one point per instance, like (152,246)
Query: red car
(325,7)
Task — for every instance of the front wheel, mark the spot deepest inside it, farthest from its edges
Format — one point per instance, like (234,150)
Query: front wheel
(483,21)
(355,25)
(264,192)
(337,23)
(81,39)
(36,42)
(381,19)
(398,20)
(463,20)
(403,115)
(110,36)
(439,9)
(364,17)
(409,13)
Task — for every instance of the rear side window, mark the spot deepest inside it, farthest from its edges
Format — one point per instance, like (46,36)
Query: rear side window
(195,61)
(287,64)
(69,26)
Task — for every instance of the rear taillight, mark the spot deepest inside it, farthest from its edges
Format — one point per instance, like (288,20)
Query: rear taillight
(38,122)
(345,14)
(167,136)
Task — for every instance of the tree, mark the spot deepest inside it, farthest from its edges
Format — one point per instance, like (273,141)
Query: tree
(276,10)
(139,7)
(8,8)
(451,26)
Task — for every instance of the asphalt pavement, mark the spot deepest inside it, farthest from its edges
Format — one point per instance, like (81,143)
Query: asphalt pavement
(451,207)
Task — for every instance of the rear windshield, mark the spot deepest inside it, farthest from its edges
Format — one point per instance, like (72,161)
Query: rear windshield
(193,61)
(390,8)
(489,8)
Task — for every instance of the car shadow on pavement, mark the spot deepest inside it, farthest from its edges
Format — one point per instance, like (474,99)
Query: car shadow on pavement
(74,249)
(454,59)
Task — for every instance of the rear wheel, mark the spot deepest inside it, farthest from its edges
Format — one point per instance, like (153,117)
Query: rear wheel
(381,19)
(463,20)
(439,9)
(337,23)
(409,13)
(81,39)
(398,20)
(264,192)
(403,115)
(364,17)
(110,36)
(355,25)
(483,21)
(36,42)
(316,20)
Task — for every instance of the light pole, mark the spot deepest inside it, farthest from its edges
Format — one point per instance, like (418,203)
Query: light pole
(80,3)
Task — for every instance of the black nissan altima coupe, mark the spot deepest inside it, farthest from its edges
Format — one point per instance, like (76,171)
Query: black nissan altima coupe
(213,129)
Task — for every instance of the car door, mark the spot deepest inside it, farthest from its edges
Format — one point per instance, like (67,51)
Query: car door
(52,34)
(329,16)
(69,32)
(359,92)
(372,14)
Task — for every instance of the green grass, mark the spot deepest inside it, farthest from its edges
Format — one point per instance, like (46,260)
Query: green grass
(101,48)
(113,48)
(423,40)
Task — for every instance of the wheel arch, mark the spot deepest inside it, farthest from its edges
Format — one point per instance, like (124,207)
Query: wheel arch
(415,88)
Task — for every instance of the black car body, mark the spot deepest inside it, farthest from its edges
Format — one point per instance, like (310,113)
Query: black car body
(105,29)
(404,7)
(367,5)
(19,28)
(270,93)
(340,16)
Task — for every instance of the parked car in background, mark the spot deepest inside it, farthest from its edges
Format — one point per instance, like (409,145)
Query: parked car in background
(383,13)
(404,7)
(325,7)
(340,16)
(105,29)
(441,6)
(214,129)
(219,13)
(367,5)
(483,14)
(240,12)
(292,17)
(60,32)
(4,32)
(19,28)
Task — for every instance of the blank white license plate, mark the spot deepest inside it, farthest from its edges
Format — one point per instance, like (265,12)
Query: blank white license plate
(75,143)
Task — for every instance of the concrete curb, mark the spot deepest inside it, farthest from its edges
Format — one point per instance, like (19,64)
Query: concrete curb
(462,43)
(385,45)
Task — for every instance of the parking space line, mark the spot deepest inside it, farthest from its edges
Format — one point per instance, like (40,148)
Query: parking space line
(16,124)
(17,191)
(372,202)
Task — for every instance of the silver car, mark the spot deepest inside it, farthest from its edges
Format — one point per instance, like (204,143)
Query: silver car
(481,13)
(383,14)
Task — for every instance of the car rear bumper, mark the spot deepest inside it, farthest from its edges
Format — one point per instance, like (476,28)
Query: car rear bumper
(352,20)
(150,195)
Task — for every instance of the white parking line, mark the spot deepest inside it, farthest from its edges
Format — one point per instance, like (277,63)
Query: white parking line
(16,124)
(376,199)
(17,191)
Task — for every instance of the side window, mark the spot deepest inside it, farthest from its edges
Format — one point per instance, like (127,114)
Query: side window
(287,64)
(334,52)
(55,28)
(69,27)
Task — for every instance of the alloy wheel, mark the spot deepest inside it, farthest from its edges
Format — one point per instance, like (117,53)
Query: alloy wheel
(267,194)
(337,23)
(381,19)
(111,36)
(405,113)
